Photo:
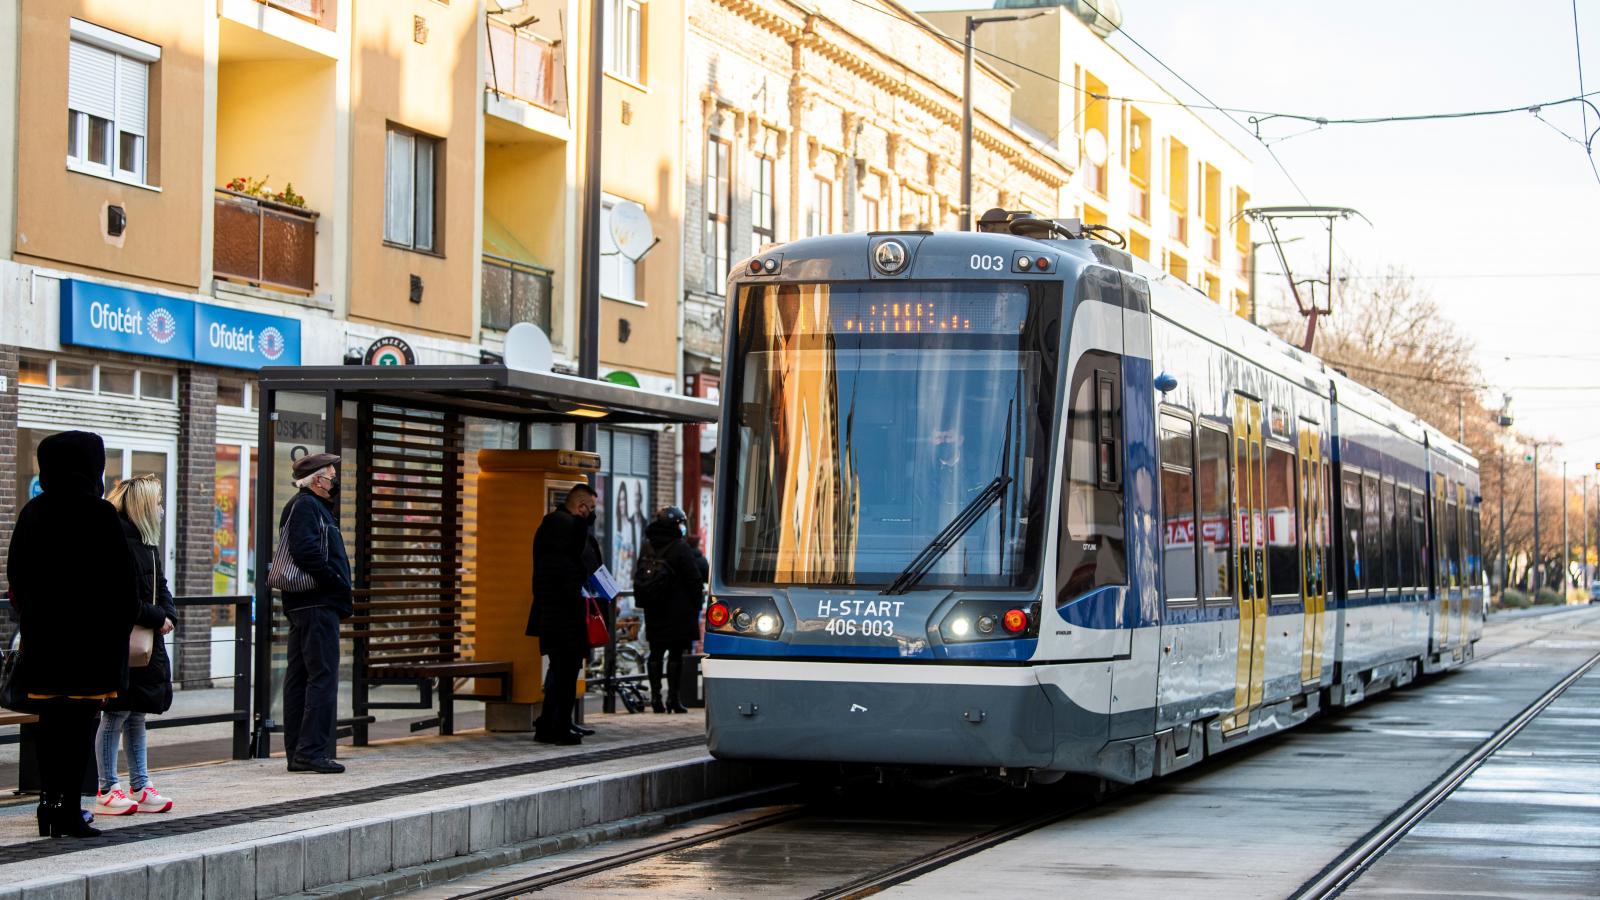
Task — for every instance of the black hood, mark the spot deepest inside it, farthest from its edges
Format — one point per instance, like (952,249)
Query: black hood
(662,532)
(72,462)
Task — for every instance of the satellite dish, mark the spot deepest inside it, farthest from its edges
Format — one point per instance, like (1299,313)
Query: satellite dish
(631,230)
(1094,147)
(528,348)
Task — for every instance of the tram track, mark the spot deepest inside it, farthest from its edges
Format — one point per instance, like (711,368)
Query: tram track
(1349,866)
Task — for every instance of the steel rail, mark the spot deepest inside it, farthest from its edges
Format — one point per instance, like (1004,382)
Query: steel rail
(1340,873)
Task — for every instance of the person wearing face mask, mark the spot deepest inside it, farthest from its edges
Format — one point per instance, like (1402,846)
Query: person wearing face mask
(309,527)
(675,595)
(565,554)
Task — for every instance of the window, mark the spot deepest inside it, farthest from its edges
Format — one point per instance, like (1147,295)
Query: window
(158,386)
(1351,497)
(1092,548)
(1283,529)
(869,214)
(74,376)
(1406,543)
(625,483)
(718,199)
(230,393)
(33,370)
(1452,523)
(108,102)
(1216,535)
(1178,511)
(820,219)
(1372,533)
(619,275)
(410,181)
(625,39)
(1474,550)
(764,204)
(1386,515)
(1419,532)
(116,381)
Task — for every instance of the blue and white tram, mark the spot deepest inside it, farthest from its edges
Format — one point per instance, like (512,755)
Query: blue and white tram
(1003,501)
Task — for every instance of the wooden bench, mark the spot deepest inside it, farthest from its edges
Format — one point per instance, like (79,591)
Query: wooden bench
(7,717)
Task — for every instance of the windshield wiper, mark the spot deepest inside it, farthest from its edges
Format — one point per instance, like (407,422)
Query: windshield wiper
(949,535)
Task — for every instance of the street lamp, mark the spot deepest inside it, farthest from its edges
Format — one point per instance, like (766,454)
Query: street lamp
(966,108)
(1505,421)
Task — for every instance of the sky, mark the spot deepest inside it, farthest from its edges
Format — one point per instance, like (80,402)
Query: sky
(1498,217)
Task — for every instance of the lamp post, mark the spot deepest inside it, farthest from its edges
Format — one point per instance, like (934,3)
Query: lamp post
(1505,421)
(1537,566)
(966,108)
(1566,538)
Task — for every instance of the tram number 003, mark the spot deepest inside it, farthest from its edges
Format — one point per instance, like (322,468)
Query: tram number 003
(864,628)
(987,262)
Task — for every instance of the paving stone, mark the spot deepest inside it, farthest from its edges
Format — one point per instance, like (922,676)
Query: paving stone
(413,840)
(371,848)
(280,866)
(521,818)
(621,797)
(66,889)
(486,825)
(327,856)
(450,834)
(130,883)
(177,879)
(230,874)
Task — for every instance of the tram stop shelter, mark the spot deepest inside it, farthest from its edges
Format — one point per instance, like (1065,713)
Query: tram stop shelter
(434,596)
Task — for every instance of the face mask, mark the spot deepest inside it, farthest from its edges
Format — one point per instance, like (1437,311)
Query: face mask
(683,528)
(333,489)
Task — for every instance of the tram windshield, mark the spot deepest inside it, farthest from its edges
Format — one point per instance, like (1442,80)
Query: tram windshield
(868,416)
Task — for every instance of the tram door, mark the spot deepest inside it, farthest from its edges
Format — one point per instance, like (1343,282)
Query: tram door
(1313,550)
(1250,559)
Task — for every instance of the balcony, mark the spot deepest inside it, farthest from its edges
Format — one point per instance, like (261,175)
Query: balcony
(1139,200)
(515,292)
(1213,244)
(526,66)
(318,12)
(264,243)
(1178,225)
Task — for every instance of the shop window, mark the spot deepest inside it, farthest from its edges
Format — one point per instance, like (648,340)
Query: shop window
(410,189)
(158,386)
(34,371)
(619,275)
(74,376)
(116,381)
(624,45)
(230,393)
(625,483)
(108,102)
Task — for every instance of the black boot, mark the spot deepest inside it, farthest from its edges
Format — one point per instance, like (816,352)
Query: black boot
(652,665)
(65,819)
(674,675)
(47,805)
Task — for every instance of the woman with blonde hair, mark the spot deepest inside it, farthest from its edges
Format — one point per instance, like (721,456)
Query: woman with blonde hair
(138,503)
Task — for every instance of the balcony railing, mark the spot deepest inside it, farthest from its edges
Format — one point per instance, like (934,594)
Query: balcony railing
(316,11)
(1139,201)
(1213,244)
(1178,227)
(526,66)
(265,243)
(515,292)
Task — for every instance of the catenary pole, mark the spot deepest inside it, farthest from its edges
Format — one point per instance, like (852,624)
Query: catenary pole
(1566,539)
(1537,566)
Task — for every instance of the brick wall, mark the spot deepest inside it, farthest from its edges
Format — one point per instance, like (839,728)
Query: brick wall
(8,471)
(665,470)
(195,489)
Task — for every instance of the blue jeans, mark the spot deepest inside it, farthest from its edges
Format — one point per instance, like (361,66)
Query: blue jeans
(130,726)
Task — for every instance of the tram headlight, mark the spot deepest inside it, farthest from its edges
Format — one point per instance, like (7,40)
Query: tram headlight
(766,624)
(989,620)
(960,627)
(744,617)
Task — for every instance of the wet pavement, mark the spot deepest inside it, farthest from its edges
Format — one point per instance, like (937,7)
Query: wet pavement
(1526,824)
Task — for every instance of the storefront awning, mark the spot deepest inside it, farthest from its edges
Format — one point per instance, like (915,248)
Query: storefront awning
(494,392)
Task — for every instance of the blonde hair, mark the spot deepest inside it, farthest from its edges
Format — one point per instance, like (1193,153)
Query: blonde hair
(139,499)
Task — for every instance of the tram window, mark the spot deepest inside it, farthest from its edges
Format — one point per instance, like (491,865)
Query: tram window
(1405,551)
(1283,530)
(1092,552)
(1372,533)
(1440,542)
(1351,496)
(1108,413)
(1216,534)
(1391,538)
(1452,524)
(1419,531)
(1474,549)
(1178,511)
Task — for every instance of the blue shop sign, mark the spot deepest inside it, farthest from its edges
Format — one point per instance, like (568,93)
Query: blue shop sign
(115,318)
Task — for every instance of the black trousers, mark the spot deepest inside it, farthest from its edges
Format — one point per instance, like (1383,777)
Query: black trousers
(673,654)
(66,744)
(311,683)
(560,692)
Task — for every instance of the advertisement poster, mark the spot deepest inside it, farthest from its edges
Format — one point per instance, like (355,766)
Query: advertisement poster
(225,524)
(628,507)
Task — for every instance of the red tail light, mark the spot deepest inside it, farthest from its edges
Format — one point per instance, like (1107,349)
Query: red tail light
(717,615)
(1015,621)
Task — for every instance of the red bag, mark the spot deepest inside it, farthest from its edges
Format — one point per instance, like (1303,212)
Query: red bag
(596,623)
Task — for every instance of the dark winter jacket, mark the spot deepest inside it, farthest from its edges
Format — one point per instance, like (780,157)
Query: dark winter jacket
(565,554)
(311,529)
(149,687)
(673,617)
(72,582)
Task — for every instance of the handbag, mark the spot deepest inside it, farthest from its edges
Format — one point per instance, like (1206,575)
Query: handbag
(13,695)
(596,624)
(283,574)
(142,640)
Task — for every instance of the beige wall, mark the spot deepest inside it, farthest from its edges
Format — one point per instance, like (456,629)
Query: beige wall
(642,162)
(524,190)
(60,216)
(432,88)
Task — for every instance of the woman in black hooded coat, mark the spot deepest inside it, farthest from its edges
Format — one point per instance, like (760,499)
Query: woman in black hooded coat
(672,619)
(75,592)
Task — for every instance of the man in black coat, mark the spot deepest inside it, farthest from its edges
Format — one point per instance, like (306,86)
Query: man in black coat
(310,528)
(672,606)
(565,554)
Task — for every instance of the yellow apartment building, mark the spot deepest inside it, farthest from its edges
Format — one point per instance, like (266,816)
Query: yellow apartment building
(191,190)
(1153,170)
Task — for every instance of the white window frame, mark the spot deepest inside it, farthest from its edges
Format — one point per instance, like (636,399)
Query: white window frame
(125,51)
(619,275)
(625,30)
(400,227)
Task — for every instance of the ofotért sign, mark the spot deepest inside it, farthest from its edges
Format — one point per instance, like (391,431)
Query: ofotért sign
(115,318)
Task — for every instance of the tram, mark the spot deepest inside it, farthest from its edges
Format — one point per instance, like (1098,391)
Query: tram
(1008,502)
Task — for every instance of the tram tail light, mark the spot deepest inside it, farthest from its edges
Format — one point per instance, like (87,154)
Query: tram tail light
(1015,621)
(746,617)
(717,616)
(977,620)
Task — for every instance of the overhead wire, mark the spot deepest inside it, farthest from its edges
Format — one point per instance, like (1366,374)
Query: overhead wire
(1577,45)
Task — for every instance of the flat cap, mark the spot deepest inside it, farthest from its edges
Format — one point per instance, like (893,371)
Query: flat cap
(309,463)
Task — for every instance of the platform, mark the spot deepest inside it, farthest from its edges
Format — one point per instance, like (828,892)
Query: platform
(252,829)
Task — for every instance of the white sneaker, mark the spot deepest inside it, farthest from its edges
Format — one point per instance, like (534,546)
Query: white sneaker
(116,803)
(150,801)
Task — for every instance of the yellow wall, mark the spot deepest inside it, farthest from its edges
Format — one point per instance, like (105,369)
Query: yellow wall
(432,88)
(524,191)
(60,215)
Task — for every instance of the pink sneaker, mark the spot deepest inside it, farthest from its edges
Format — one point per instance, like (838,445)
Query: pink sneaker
(116,803)
(150,801)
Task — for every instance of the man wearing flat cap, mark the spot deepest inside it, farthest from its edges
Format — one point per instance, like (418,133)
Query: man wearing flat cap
(309,529)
